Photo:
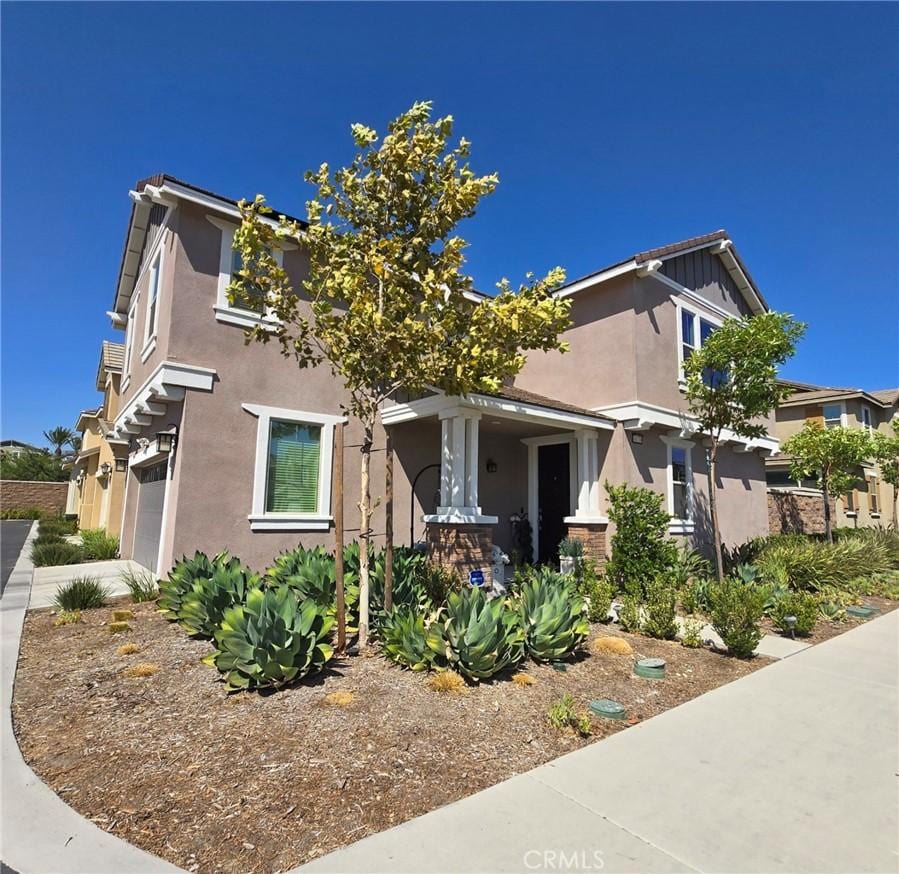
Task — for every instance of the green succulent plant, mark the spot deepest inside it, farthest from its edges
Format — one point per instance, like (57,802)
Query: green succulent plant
(182,577)
(552,616)
(271,640)
(404,638)
(478,637)
(409,589)
(204,605)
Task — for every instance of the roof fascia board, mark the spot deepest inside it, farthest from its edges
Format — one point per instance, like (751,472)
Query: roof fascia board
(595,279)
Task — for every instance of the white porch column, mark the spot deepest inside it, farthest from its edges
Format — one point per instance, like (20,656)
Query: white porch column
(459,462)
(588,474)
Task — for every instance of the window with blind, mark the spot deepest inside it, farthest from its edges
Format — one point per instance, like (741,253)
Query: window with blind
(680,484)
(294,461)
(873,496)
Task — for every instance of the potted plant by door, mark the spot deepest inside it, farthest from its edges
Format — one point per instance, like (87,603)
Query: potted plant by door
(571,551)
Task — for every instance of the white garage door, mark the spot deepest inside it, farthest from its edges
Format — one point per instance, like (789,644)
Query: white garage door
(148,526)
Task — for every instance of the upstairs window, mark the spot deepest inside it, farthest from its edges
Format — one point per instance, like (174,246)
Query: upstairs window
(833,415)
(694,331)
(129,339)
(680,484)
(867,418)
(153,297)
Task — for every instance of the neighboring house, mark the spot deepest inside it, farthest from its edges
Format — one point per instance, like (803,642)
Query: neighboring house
(230,446)
(17,447)
(871,501)
(98,469)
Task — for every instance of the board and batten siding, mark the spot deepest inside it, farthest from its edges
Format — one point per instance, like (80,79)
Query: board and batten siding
(704,273)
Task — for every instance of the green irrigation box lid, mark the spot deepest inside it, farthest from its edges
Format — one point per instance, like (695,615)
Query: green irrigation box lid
(652,669)
(608,709)
(861,610)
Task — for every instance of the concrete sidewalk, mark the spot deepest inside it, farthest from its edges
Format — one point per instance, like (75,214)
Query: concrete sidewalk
(790,769)
(48,579)
(41,834)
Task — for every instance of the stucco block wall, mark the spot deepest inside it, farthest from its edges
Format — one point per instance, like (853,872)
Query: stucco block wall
(26,494)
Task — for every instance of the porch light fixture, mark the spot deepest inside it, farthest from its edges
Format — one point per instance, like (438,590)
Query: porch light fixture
(165,440)
(121,465)
(491,466)
(636,438)
(105,469)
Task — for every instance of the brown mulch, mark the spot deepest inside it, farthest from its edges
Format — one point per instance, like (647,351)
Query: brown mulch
(252,782)
(825,629)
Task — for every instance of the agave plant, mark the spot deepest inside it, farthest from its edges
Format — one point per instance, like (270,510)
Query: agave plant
(182,578)
(478,637)
(409,588)
(552,616)
(271,640)
(203,607)
(404,639)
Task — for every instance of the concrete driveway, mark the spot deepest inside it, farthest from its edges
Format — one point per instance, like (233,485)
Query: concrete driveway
(791,769)
(12,537)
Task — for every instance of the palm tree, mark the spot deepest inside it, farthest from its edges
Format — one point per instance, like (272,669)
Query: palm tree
(59,437)
(75,442)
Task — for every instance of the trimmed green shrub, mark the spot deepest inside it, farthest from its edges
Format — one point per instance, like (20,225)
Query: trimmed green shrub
(630,616)
(596,589)
(42,538)
(695,597)
(641,549)
(53,554)
(97,545)
(552,616)
(404,638)
(736,610)
(81,593)
(478,638)
(804,607)
(271,640)
(27,513)
(58,525)
(141,585)
(692,636)
(660,610)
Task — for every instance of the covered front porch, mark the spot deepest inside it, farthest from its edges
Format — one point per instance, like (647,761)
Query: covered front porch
(483,467)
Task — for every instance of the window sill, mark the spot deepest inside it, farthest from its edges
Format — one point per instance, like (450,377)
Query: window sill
(680,526)
(289,522)
(149,349)
(228,316)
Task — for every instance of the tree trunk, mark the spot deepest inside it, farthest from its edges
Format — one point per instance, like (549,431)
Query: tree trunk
(338,539)
(895,508)
(712,463)
(825,491)
(388,524)
(365,531)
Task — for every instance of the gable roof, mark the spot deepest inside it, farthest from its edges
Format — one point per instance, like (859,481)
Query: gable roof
(161,188)
(650,260)
(808,393)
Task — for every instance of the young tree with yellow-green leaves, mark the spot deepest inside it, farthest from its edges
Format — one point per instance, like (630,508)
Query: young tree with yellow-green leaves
(886,454)
(386,304)
(732,385)
(831,456)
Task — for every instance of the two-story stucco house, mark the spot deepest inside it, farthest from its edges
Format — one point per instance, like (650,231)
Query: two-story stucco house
(98,469)
(231,446)
(797,504)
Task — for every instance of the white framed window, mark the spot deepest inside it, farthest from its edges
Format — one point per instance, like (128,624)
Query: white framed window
(129,342)
(153,285)
(833,415)
(680,485)
(867,418)
(248,315)
(292,471)
(693,329)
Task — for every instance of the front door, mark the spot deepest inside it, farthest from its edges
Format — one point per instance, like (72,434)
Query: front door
(553,498)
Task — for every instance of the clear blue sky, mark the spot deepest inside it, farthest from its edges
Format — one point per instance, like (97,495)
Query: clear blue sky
(614,128)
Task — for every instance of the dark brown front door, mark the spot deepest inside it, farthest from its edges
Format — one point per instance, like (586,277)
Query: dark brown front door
(553,498)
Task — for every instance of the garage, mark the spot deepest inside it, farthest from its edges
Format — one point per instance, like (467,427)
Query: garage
(150,503)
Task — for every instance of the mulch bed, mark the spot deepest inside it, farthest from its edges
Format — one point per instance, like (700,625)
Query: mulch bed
(251,782)
(825,629)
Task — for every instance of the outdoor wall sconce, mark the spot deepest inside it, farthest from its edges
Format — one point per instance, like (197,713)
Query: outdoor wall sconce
(105,469)
(165,440)
(80,478)
(636,438)
(492,466)
(121,465)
